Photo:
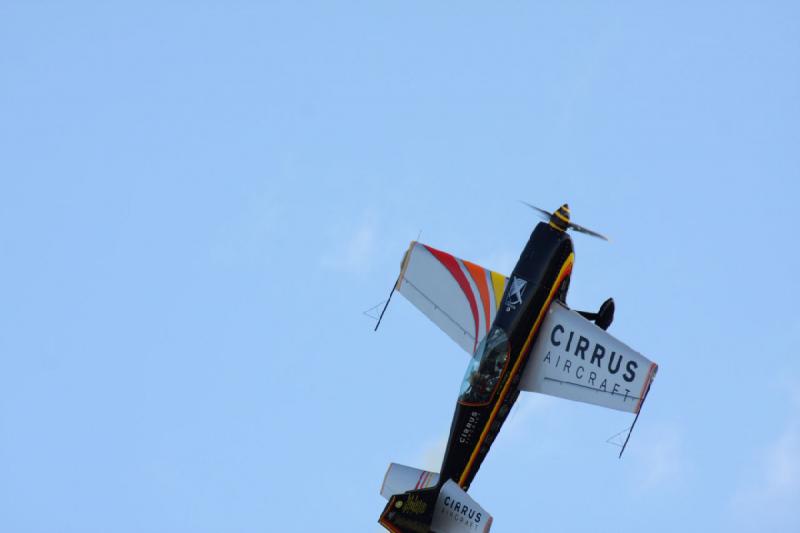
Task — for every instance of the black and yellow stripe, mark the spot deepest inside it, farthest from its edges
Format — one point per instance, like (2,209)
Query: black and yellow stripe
(564,271)
(560,218)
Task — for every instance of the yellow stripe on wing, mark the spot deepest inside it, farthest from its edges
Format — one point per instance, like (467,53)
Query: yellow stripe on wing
(498,285)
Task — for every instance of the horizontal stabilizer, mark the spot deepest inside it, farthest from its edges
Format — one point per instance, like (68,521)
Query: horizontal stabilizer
(445,509)
(576,360)
(402,478)
(456,512)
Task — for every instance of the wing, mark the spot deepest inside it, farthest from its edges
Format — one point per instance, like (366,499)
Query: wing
(458,296)
(575,359)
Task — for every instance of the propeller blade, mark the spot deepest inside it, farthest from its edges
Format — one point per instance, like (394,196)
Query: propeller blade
(545,214)
(587,231)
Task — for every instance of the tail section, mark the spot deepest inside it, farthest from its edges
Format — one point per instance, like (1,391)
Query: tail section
(410,512)
(418,504)
(402,478)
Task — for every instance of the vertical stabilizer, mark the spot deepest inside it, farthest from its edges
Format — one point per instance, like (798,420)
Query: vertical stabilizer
(432,509)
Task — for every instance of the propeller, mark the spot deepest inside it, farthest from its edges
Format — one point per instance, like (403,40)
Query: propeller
(561,220)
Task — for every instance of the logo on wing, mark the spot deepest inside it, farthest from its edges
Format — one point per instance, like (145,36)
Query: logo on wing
(515,290)
(461,512)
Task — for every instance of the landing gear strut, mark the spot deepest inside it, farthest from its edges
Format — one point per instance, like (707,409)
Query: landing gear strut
(604,316)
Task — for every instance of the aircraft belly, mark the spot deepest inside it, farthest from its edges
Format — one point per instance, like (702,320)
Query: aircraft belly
(475,427)
(467,433)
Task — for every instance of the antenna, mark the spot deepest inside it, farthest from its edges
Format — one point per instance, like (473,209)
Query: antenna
(627,438)
(385,306)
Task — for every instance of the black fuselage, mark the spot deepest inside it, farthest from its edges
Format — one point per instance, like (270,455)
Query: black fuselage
(540,275)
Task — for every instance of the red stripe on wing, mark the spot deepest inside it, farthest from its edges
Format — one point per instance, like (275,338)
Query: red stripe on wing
(646,384)
(451,264)
(479,277)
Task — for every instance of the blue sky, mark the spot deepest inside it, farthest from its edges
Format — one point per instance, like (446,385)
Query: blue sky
(197,202)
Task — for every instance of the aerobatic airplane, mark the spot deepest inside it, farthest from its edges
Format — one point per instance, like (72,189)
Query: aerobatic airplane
(521,336)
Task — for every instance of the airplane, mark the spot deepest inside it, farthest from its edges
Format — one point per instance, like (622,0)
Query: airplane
(521,336)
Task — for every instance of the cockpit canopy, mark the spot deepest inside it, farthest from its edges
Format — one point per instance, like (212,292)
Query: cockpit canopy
(485,368)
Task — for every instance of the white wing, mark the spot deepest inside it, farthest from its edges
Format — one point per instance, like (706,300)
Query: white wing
(576,360)
(458,296)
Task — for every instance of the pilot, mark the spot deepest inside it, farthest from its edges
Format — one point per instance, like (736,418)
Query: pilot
(477,386)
